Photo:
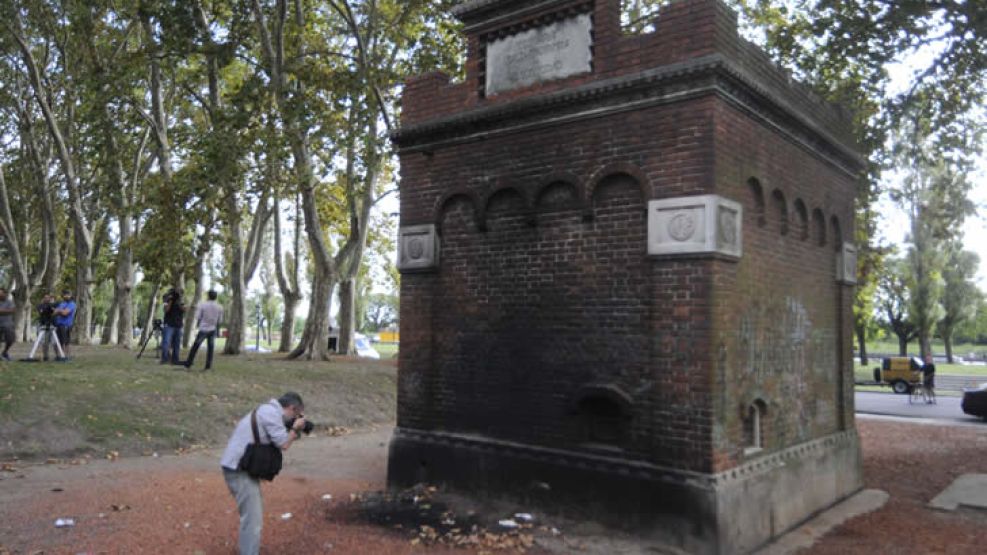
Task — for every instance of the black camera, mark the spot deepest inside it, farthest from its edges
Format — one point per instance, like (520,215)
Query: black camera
(306,428)
(46,314)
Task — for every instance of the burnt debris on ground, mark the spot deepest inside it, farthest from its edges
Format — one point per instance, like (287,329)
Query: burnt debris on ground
(427,516)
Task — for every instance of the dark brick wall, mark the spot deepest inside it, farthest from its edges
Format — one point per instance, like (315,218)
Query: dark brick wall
(545,287)
(545,295)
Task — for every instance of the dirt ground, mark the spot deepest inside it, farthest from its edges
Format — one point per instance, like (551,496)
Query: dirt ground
(179,504)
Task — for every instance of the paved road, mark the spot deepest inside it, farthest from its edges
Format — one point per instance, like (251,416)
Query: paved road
(947,408)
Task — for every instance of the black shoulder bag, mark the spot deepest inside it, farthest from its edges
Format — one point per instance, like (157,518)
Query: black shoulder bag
(261,461)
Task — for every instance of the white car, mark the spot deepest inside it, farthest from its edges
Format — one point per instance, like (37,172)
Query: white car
(363,347)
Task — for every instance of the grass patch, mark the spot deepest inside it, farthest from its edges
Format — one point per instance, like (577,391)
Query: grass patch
(105,400)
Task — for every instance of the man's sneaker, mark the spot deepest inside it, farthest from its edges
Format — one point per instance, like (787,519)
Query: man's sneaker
(5,356)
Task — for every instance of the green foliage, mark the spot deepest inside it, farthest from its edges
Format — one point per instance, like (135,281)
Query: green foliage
(381,311)
(961,297)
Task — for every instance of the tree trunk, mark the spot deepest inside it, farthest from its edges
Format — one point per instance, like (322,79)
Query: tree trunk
(288,284)
(862,344)
(314,343)
(8,236)
(152,305)
(288,324)
(54,274)
(235,323)
(947,340)
(902,345)
(110,326)
(347,315)
(22,314)
(925,346)
(124,296)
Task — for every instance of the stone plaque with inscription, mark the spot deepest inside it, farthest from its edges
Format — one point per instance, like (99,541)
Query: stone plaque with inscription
(418,248)
(550,52)
(694,225)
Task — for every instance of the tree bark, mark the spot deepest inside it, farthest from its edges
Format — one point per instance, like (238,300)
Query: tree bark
(947,341)
(288,284)
(152,305)
(235,323)
(862,344)
(110,325)
(347,315)
(314,343)
(22,289)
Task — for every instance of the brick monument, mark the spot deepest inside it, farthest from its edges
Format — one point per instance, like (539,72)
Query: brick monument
(627,275)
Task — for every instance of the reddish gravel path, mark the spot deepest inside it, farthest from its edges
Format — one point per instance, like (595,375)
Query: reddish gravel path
(179,504)
(913,463)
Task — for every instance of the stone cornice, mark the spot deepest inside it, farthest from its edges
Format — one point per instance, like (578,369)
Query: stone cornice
(713,74)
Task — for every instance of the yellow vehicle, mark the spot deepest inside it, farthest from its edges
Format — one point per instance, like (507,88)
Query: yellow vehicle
(901,373)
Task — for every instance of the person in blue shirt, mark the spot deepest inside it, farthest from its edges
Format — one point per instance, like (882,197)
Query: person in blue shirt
(64,318)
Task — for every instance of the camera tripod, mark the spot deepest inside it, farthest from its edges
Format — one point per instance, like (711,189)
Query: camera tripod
(46,333)
(156,333)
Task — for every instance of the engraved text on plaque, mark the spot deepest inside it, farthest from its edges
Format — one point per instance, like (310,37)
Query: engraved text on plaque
(543,54)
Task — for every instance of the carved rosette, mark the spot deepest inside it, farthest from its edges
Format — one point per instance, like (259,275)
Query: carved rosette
(418,248)
(846,264)
(703,224)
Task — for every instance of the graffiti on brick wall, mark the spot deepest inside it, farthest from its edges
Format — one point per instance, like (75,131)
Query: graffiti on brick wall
(785,355)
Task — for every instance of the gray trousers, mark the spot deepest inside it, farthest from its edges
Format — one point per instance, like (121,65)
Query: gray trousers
(246,492)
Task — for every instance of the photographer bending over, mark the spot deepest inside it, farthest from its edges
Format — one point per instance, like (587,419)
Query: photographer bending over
(64,318)
(6,322)
(207,317)
(171,332)
(277,423)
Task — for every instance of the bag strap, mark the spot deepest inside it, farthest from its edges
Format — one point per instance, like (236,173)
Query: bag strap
(253,426)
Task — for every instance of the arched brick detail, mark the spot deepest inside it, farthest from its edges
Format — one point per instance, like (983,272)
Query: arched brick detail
(780,208)
(448,199)
(613,170)
(801,220)
(819,227)
(555,179)
(616,169)
(757,198)
(504,190)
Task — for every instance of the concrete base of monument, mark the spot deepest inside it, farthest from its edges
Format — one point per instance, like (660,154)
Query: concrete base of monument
(736,511)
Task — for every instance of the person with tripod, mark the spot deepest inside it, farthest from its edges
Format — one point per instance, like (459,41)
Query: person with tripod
(46,330)
(171,334)
(64,319)
(7,333)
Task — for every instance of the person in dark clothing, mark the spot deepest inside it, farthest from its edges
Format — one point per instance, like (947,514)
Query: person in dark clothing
(171,330)
(929,379)
(7,334)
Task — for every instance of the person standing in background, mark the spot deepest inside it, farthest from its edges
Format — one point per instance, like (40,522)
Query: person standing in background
(64,320)
(208,315)
(171,331)
(7,332)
